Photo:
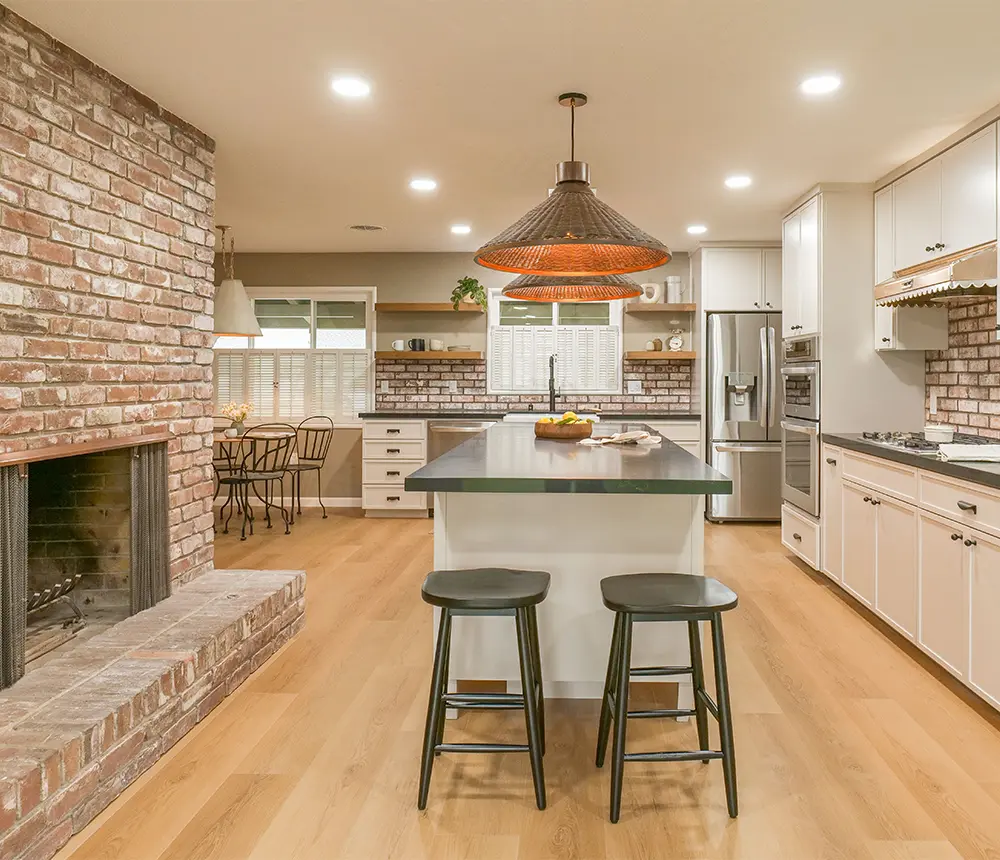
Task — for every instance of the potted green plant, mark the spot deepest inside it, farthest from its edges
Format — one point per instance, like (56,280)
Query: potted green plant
(468,289)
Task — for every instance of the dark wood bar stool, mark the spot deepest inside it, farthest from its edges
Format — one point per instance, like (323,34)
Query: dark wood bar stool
(666,597)
(486,591)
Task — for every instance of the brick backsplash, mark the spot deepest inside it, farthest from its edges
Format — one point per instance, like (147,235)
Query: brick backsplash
(423,385)
(966,376)
(106,271)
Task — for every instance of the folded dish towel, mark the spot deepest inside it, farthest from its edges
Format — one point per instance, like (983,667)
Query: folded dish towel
(971,453)
(633,437)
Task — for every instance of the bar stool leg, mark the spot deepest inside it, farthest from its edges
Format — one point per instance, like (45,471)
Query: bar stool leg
(444,686)
(698,677)
(435,709)
(621,716)
(610,681)
(536,658)
(725,715)
(530,705)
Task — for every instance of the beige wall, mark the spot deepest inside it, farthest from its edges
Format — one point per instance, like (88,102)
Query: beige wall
(410,277)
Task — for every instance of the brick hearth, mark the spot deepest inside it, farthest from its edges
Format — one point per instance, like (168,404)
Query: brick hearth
(76,732)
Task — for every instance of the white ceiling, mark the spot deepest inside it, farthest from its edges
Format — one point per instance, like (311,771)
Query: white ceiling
(683,92)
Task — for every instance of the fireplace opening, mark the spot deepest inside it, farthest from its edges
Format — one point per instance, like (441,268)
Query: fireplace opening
(79,540)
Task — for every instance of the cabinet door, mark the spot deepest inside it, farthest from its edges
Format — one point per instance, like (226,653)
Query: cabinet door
(859,543)
(833,548)
(791,241)
(885,328)
(896,568)
(944,593)
(984,665)
(969,192)
(884,250)
(916,207)
(732,279)
(772,279)
(808,262)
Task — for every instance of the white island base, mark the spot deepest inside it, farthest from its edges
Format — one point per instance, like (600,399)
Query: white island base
(579,539)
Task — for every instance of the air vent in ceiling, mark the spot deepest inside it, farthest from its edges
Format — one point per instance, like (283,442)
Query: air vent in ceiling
(367,228)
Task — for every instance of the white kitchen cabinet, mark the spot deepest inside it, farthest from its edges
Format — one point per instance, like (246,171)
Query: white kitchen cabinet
(391,450)
(969,192)
(685,434)
(772,279)
(902,328)
(916,206)
(832,507)
(732,279)
(984,632)
(800,261)
(884,251)
(944,593)
(896,564)
(860,541)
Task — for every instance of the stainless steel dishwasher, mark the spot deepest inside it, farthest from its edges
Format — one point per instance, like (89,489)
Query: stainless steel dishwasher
(447,433)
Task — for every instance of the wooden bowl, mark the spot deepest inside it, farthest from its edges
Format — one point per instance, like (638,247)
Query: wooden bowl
(563,432)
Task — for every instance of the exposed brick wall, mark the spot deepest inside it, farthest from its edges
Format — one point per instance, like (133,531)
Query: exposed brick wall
(966,376)
(106,270)
(415,384)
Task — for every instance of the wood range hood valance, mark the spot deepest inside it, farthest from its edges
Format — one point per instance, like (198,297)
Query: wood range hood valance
(968,274)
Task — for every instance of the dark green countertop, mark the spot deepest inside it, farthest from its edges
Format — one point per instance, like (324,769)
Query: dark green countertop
(507,458)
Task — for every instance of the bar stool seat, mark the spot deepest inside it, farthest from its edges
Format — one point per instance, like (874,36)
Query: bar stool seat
(486,591)
(659,597)
(485,588)
(666,594)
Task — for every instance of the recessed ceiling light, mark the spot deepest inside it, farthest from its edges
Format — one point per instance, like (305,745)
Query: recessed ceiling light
(738,181)
(820,85)
(697,229)
(423,183)
(351,88)
(461,229)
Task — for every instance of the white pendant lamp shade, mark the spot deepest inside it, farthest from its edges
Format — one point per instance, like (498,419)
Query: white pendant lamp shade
(234,314)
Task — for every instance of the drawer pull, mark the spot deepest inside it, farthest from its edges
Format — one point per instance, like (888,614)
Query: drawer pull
(956,536)
(392,431)
(967,506)
(392,474)
(831,461)
(392,450)
(970,542)
(797,536)
(392,498)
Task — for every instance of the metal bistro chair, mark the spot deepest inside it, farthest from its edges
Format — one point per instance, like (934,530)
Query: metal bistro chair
(312,443)
(264,454)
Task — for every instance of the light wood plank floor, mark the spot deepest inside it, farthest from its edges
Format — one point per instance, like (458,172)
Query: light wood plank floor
(847,746)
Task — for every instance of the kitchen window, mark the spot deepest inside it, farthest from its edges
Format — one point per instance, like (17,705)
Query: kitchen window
(585,337)
(313,357)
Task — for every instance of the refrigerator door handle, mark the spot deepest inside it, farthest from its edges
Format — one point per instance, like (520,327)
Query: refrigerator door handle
(772,396)
(765,397)
(747,449)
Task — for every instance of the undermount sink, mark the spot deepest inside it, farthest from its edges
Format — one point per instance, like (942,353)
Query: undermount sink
(532,417)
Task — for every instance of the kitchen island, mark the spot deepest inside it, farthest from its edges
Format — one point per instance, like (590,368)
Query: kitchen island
(507,499)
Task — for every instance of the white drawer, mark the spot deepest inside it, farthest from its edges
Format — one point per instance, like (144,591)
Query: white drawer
(394,450)
(800,534)
(896,480)
(394,430)
(392,498)
(392,472)
(961,502)
(678,431)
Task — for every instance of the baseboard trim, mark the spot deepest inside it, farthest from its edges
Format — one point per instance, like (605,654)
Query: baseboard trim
(311,501)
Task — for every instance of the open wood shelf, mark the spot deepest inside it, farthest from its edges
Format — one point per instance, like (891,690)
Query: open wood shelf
(426,308)
(658,307)
(663,355)
(412,355)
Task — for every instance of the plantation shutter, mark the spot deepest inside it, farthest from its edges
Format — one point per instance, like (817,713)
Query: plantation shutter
(588,358)
(230,379)
(353,385)
(260,384)
(291,385)
(340,384)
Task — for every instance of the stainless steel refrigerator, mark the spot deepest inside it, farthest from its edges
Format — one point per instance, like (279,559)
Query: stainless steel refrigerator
(744,414)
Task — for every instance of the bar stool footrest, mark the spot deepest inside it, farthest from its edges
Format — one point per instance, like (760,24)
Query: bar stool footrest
(659,671)
(457,700)
(481,748)
(661,712)
(674,755)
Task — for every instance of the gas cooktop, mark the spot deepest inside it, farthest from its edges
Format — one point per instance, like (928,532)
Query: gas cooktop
(916,443)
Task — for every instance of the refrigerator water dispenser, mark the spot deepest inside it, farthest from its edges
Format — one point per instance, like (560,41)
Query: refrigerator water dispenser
(741,402)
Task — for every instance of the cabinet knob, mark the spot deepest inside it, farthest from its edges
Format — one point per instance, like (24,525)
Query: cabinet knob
(939,246)
(756,304)
(956,536)
(876,502)
(868,498)
(831,461)
(929,248)
(886,340)
(970,542)
(767,304)
(797,537)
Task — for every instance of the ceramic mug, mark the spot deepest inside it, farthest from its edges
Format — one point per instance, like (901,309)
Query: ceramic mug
(649,346)
(437,345)
(417,344)
(399,345)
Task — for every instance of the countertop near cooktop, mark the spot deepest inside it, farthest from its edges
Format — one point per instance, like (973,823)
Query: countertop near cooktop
(498,416)
(987,474)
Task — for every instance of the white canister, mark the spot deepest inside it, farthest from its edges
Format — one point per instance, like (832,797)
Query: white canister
(674,290)
(939,433)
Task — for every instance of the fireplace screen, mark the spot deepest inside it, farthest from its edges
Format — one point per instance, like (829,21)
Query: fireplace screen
(83,544)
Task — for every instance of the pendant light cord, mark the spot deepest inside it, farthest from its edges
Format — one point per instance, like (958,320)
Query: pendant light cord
(572,129)
(228,263)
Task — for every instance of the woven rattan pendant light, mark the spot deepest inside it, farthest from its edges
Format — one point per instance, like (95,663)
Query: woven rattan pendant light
(595,288)
(573,232)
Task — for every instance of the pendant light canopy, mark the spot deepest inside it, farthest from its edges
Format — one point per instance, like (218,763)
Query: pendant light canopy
(596,288)
(234,314)
(573,232)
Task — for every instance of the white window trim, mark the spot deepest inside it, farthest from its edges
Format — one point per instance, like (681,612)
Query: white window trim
(344,294)
(615,320)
